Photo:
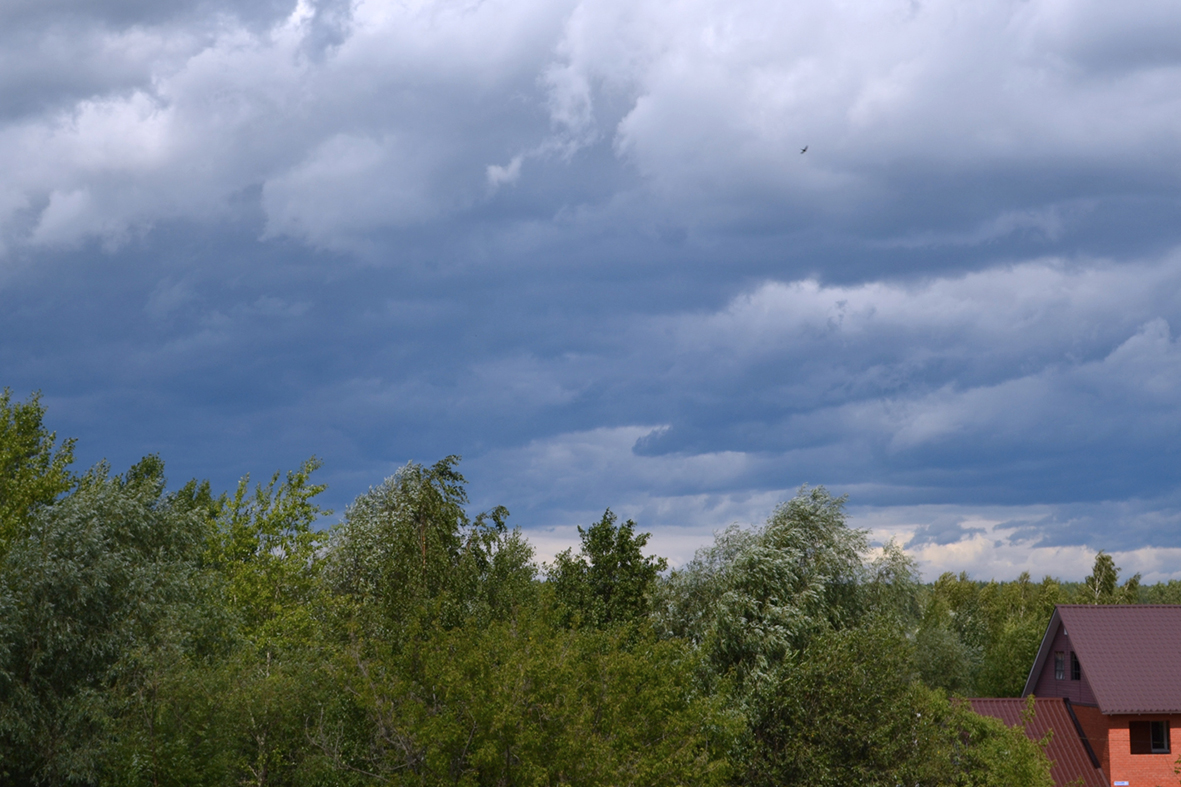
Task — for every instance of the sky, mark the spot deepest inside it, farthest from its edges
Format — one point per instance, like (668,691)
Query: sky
(580,243)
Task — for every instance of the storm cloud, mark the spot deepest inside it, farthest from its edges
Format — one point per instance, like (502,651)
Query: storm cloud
(578,243)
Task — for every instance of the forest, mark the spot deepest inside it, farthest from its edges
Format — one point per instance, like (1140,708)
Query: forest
(180,635)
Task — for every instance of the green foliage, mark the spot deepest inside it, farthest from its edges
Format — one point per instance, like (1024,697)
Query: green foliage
(240,719)
(839,712)
(238,716)
(979,639)
(194,638)
(609,581)
(521,702)
(889,588)
(944,660)
(264,546)
(1162,593)
(816,647)
(163,639)
(33,470)
(757,595)
(457,674)
(1102,586)
(101,581)
(407,553)
(980,751)
(1008,659)
(847,710)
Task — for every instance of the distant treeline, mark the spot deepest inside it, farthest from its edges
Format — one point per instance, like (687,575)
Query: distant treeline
(979,639)
(192,637)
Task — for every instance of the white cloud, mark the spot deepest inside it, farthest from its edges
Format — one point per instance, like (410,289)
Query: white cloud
(372,135)
(1049,303)
(498,175)
(570,479)
(709,102)
(317,200)
(939,126)
(987,544)
(1009,351)
(663,495)
(1041,381)
(65,215)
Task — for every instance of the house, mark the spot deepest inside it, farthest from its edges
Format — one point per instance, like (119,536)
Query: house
(1107,681)
(1073,761)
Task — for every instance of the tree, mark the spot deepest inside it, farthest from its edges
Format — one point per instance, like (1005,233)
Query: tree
(944,661)
(99,582)
(1101,584)
(457,674)
(33,470)
(847,710)
(1007,660)
(890,587)
(609,581)
(407,553)
(239,714)
(757,595)
(1101,587)
(978,639)
(524,702)
(1163,593)
(264,545)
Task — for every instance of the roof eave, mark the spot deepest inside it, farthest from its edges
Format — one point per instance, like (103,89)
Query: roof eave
(1042,653)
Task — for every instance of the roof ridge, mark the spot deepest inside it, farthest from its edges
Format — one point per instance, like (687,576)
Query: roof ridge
(1130,654)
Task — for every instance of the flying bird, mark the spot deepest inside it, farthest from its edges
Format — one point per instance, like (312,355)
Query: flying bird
(805,150)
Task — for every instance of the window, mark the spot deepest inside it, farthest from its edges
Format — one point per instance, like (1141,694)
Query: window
(1059,666)
(1076,672)
(1160,737)
(1149,737)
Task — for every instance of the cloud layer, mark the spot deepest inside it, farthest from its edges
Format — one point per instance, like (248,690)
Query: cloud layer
(346,120)
(578,242)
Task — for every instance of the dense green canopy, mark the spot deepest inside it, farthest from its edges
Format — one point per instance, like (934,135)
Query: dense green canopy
(150,637)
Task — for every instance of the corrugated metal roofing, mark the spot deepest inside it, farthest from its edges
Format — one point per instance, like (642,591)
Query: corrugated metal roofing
(1130,654)
(1069,758)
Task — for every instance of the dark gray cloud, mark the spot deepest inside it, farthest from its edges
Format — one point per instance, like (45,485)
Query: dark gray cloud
(942,531)
(122,14)
(577,242)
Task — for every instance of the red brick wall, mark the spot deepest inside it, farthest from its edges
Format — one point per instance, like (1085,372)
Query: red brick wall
(1141,770)
(1094,726)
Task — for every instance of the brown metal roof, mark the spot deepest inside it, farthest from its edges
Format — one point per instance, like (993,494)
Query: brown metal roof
(1130,654)
(1070,759)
